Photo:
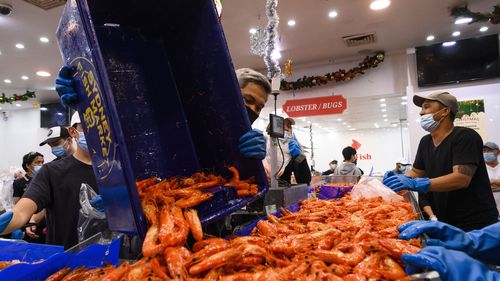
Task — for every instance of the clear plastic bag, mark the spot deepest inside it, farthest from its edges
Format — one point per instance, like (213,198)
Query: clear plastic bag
(91,220)
(370,187)
(6,190)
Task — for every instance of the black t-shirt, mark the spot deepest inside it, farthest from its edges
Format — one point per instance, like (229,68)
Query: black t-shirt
(56,187)
(19,186)
(469,208)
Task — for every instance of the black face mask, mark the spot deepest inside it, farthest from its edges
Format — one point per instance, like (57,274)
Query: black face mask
(252,115)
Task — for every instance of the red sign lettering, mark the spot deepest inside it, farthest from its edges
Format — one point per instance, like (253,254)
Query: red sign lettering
(315,106)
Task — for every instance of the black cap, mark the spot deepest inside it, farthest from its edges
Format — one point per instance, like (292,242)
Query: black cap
(56,133)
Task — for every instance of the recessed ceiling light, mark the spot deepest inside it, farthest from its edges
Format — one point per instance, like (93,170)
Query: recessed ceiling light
(463,20)
(383,105)
(376,125)
(344,123)
(43,73)
(384,110)
(19,46)
(43,108)
(381,100)
(339,119)
(291,23)
(24,77)
(380,4)
(483,29)
(8,81)
(44,39)
(456,33)
(449,43)
(315,124)
(252,30)
(332,14)
(18,105)
(394,125)
(385,115)
(403,103)
(308,122)
(404,98)
(348,126)
(430,37)
(385,120)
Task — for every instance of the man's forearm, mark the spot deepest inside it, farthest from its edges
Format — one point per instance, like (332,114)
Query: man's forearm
(23,211)
(450,182)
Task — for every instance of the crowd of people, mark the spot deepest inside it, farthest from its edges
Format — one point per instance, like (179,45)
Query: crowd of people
(456,176)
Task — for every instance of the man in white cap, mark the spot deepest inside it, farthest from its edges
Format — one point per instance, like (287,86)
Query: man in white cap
(449,167)
(56,188)
(490,154)
(60,142)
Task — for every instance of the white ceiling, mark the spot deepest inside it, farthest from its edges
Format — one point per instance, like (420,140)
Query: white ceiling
(316,39)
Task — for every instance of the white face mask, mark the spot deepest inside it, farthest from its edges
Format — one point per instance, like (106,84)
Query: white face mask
(288,135)
(333,166)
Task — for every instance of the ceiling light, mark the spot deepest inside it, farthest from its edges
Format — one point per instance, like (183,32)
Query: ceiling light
(24,77)
(18,105)
(339,119)
(352,129)
(385,120)
(8,81)
(308,122)
(383,105)
(348,126)
(252,30)
(385,115)
(456,33)
(449,43)
(403,103)
(381,100)
(315,124)
(376,125)
(344,123)
(43,73)
(43,108)
(44,39)
(394,125)
(430,37)
(333,14)
(463,20)
(384,110)
(483,29)
(19,46)
(291,23)
(404,98)
(380,4)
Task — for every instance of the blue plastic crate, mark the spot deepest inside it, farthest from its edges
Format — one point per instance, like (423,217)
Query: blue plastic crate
(330,192)
(26,252)
(95,255)
(158,96)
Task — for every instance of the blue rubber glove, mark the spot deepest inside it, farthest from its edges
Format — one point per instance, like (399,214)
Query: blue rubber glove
(294,148)
(452,265)
(388,174)
(65,87)
(482,244)
(253,144)
(400,182)
(5,218)
(17,234)
(97,203)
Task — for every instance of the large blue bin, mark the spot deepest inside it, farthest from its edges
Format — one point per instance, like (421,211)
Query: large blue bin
(158,96)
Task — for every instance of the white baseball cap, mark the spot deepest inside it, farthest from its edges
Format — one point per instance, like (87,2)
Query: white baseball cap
(404,162)
(75,119)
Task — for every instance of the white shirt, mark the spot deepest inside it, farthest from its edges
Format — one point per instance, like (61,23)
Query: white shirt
(493,173)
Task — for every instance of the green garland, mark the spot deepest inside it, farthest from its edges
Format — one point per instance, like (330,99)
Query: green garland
(462,11)
(337,76)
(15,97)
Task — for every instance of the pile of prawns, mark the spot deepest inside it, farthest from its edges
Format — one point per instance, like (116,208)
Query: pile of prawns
(325,240)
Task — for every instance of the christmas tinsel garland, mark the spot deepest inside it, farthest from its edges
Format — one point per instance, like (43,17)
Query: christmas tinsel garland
(337,76)
(28,95)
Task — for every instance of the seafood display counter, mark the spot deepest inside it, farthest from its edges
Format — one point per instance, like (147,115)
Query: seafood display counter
(158,97)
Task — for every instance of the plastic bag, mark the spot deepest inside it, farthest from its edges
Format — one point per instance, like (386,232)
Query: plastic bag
(6,190)
(91,220)
(370,187)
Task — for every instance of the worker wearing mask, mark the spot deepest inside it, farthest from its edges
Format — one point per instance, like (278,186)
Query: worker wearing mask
(402,166)
(60,142)
(449,167)
(333,166)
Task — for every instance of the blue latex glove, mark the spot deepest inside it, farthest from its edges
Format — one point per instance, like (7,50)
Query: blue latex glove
(482,244)
(400,182)
(253,144)
(97,203)
(65,87)
(388,174)
(5,218)
(17,234)
(452,265)
(294,148)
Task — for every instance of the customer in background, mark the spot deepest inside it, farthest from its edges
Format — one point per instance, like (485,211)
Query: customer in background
(32,162)
(60,142)
(56,189)
(449,167)
(333,165)
(490,154)
(297,163)
(348,167)
(402,166)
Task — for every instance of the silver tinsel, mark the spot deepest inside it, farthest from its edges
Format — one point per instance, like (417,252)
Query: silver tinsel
(258,42)
(273,67)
